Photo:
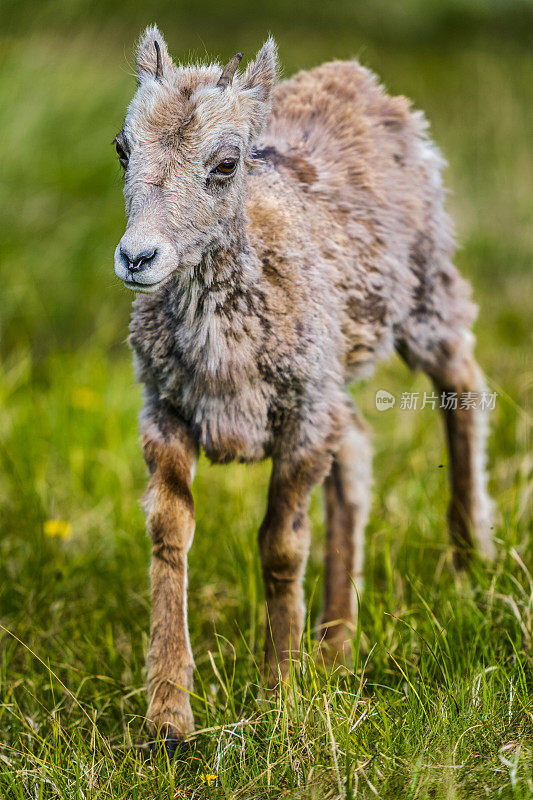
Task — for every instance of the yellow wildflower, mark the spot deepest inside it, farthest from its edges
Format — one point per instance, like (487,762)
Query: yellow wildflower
(208,777)
(57,529)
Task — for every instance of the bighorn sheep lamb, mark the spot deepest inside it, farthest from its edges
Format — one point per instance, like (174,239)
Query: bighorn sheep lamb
(281,238)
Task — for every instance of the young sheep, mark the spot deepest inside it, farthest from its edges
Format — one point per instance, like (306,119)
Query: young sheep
(282,238)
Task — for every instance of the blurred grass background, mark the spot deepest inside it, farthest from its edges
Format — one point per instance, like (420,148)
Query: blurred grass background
(68,425)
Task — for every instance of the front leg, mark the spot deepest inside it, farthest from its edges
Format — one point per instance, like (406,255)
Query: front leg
(284,546)
(171,453)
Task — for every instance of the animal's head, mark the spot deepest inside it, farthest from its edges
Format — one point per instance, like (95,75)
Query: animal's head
(184,147)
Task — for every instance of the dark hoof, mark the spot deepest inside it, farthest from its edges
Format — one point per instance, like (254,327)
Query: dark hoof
(169,744)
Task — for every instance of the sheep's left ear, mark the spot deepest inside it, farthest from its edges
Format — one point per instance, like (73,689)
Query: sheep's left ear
(153,59)
(261,73)
(259,80)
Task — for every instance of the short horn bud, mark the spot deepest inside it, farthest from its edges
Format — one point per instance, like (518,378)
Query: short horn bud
(229,71)
(159,67)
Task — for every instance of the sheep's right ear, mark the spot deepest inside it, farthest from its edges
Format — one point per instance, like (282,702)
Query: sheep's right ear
(153,60)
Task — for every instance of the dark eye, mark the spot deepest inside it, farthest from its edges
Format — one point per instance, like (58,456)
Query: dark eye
(122,155)
(226,167)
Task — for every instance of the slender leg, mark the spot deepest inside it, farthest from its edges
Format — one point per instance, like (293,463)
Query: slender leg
(170,452)
(469,513)
(347,502)
(284,546)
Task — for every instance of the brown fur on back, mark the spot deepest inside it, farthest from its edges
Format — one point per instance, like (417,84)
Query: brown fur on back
(374,199)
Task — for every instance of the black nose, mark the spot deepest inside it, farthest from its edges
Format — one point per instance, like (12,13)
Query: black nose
(140,261)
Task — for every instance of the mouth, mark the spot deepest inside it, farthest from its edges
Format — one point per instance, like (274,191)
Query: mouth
(146,288)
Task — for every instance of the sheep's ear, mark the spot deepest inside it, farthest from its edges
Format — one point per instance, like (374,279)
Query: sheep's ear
(261,73)
(258,82)
(153,59)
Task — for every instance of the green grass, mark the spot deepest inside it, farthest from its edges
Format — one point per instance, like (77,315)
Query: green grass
(439,701)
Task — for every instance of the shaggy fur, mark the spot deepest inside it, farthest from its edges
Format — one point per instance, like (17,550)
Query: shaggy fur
(263,294)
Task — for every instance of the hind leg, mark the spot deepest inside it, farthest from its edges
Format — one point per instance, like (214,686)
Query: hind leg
(470,508)
(458,380)
(347,502)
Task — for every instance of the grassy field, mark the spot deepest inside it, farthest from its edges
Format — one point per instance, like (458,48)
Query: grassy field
(439,701)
